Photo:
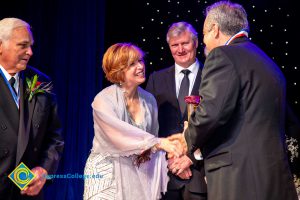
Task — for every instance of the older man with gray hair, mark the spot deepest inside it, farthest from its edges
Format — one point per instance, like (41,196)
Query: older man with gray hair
(29,125)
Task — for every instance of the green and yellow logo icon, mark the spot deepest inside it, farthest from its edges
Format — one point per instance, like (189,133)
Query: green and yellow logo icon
(21,176)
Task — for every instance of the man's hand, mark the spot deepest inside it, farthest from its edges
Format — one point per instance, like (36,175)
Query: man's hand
(173,147)
(179,165)
(186,174)
(38,182)
(179,137)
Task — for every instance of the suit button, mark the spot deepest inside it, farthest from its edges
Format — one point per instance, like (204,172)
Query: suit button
(36,125)
(3,126)
(5,151)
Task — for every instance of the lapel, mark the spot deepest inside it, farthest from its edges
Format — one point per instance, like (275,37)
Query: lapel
(8,105)
(26,113)
(171,83)
(171,90)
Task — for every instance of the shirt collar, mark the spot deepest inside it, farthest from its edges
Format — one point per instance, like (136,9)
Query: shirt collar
(7,75)
(193,67)
(239,34)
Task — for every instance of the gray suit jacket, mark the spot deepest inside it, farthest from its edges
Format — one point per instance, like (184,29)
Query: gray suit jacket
(239,125)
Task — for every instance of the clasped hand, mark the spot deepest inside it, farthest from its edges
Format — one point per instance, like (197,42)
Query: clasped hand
(180,165)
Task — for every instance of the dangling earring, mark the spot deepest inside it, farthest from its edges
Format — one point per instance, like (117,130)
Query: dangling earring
(120,84)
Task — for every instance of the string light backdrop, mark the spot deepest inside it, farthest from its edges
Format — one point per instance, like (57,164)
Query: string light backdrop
(145,23)
(272,27)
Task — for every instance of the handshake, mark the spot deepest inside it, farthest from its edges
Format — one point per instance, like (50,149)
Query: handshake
(178,162)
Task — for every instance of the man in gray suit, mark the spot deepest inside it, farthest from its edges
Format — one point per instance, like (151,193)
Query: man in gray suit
(239,124)
(166,86)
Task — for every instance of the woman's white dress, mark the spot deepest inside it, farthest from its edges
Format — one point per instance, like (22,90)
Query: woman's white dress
(109,171)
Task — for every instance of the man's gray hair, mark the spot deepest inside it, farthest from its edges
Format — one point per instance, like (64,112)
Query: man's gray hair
(231,17)
(7,25)
(178,28)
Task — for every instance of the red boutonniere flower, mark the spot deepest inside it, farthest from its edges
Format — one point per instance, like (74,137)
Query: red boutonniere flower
(34,87)
(195,100)
(192,103)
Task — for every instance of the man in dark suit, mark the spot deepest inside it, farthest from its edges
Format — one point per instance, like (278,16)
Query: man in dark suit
(165,86)
(29,126)
(239,124)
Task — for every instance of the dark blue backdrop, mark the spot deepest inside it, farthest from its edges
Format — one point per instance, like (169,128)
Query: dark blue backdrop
(68,47)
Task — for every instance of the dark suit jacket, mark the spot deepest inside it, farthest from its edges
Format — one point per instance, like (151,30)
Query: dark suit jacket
(31,134)
(239,125)
(162,85)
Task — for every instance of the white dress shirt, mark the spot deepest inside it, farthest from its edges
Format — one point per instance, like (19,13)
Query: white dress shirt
(192,75)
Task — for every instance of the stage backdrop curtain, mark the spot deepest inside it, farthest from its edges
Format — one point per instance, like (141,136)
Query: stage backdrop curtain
(68,47)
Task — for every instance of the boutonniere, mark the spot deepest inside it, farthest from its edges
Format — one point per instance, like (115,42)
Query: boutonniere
(34,87)
(192,103)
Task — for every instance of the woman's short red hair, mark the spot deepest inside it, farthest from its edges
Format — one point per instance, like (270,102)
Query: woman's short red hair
(117,58)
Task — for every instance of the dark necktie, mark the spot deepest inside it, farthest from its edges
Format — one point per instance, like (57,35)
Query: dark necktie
(184,90)
(12,81)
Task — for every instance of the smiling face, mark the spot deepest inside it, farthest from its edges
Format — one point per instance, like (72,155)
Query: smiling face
(16,51)
(134,74)
(183,49)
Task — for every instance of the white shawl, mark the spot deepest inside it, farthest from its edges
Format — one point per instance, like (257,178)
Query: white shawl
(115,137)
